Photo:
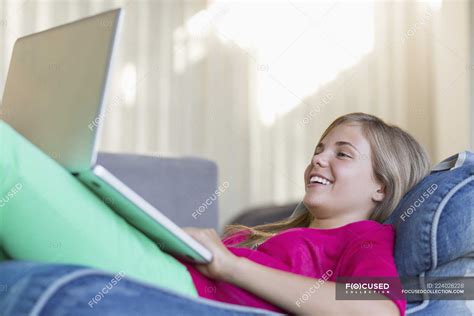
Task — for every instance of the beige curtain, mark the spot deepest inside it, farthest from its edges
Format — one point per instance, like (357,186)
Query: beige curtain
(183,84)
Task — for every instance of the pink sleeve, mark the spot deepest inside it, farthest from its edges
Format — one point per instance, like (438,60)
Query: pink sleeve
(374,258)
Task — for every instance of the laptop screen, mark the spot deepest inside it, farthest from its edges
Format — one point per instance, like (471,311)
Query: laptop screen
(55,87)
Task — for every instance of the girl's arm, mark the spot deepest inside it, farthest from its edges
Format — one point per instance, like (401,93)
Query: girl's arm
(299,294)
(282,288)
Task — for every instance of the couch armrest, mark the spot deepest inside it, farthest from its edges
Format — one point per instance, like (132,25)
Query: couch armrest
(178,187)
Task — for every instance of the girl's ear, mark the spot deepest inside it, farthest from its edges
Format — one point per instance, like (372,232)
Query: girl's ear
(379,194)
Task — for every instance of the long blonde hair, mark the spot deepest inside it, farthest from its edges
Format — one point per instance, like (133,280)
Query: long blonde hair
(398,162)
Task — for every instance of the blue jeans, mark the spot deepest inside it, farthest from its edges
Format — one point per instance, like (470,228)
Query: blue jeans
(28,288)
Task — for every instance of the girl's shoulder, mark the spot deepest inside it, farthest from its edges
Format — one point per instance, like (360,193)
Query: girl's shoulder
(360,227)
(356,232)
(360,230)
(236,237)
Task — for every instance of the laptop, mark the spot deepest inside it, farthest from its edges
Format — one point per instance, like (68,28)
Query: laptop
(54,97)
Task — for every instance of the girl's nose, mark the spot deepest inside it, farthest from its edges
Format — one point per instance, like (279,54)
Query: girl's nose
(320,159)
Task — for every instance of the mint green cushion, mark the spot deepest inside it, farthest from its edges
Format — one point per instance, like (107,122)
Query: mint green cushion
(47,215)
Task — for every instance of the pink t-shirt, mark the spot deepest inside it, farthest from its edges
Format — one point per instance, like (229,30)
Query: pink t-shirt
(363,248)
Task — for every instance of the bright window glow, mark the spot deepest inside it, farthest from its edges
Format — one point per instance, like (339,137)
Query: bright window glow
(297,46)
(129,83)
(435,4)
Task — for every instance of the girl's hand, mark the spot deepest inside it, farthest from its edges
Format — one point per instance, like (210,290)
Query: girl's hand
(223,261)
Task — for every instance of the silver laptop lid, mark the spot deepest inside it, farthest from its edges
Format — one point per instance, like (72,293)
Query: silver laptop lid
(55,88)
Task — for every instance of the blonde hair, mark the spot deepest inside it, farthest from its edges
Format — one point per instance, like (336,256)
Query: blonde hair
(399,162)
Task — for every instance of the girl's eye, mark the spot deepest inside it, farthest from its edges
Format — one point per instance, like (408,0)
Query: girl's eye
(341,154)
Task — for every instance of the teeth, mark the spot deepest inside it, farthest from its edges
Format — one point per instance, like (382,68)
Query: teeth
(319,180)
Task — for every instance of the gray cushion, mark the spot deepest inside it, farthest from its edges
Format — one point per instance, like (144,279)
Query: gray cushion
(178,187)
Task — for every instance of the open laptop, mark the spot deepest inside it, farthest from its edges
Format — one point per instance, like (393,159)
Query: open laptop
(54,97)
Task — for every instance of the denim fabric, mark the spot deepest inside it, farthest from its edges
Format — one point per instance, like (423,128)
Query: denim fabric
(56,290)
(435,220)
(441,308)
(435,231)
(459,267)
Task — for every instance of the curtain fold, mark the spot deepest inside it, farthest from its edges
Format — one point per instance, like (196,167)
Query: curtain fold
(183,84)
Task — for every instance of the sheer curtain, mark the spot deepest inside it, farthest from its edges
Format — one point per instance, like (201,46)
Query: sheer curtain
(252,85)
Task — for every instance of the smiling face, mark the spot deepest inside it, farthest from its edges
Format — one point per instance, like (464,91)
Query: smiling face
(342,162)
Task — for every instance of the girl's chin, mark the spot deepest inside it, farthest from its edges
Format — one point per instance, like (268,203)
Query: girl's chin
(310,201)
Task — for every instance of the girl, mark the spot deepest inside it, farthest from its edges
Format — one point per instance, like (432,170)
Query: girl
(359,171)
